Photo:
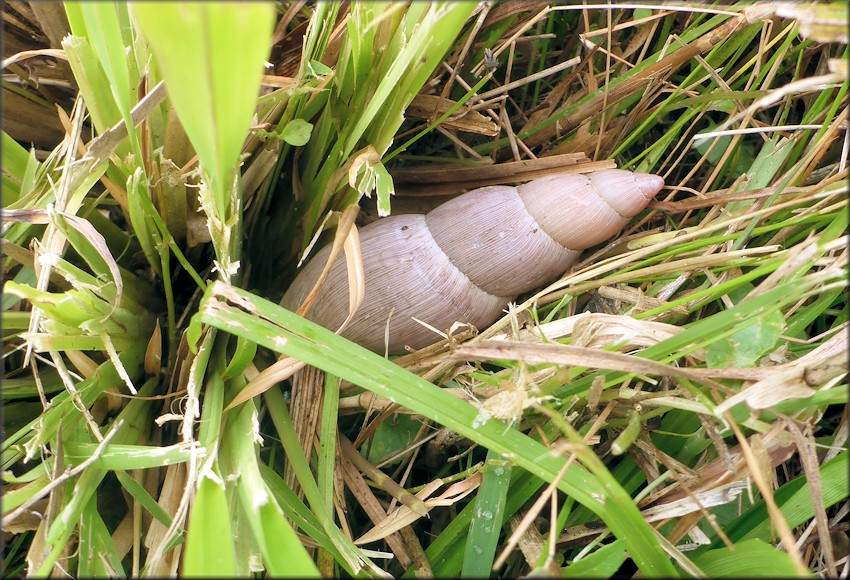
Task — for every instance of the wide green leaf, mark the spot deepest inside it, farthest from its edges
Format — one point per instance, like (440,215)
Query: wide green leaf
(211,55)
(209,542)
(750,559)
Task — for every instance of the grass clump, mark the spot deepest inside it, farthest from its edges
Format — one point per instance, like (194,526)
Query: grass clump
(672,405)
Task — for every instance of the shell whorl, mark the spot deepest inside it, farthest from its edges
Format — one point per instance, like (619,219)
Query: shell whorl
(466,259)
(588,208)
(485,229)
(407,275)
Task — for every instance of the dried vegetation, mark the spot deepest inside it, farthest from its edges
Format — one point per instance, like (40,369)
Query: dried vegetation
(674,404)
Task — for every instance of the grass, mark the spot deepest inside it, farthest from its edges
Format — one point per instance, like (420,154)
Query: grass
(674,405)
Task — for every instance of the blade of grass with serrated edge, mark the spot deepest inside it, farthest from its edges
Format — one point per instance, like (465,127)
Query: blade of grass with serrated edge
(286,333)
(487,519)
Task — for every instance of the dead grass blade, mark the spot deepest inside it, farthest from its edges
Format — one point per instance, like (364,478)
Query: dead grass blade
(755,463)
(429,107)
(404,516)
(446,180)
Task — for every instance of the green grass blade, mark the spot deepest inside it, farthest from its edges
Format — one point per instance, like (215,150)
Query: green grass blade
(286,333)
(93,84)
(602,563)
(124,457)
(109,47)
(211,57)
(215,103)
(327,439)
(488,517)
(209,542)
(795,500)
(15,497)
(136,420)
(19,169)
(295,509)
(97,557)
(62,410)
(141,495)
(750,559)
(283,553)
(279,412)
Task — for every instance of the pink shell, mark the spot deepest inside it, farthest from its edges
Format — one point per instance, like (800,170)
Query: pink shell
(466,259)
(568,206)
(485,230)
(407,276)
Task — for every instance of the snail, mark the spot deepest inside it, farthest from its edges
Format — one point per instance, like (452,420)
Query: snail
(465,260)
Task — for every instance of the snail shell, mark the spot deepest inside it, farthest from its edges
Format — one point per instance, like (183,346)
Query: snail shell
(466,259)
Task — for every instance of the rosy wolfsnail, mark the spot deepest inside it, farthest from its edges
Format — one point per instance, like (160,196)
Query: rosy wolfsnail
(466,259)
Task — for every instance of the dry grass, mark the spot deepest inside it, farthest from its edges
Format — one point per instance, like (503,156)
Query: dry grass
(692,369)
